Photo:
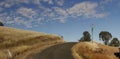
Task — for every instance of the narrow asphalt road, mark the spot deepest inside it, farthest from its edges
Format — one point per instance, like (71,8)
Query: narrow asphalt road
(60,51)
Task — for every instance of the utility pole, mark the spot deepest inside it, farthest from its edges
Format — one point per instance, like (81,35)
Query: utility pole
(92,29)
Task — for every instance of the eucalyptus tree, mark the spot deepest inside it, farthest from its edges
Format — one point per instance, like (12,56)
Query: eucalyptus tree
(105,36)
(115,42)
(86,36)
(1,24)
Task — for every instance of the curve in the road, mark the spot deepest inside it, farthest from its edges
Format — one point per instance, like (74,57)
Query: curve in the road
(60,51)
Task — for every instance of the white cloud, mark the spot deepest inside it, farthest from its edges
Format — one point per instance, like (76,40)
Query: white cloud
(26,12)
(60,2)
(6,4)
(18,20)
(7,19)
(60,11)
(53,14)
(22,1)
(86,9)
(62,14)
(10,3)
(48,1)
(37,2)
(22,21)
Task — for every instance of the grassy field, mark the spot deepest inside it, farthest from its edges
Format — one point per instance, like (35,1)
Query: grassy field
(89,50)
(20,41)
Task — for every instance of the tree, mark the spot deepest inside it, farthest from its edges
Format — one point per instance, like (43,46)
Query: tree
(86,36)
(115,42)
(105,36)
(1,24)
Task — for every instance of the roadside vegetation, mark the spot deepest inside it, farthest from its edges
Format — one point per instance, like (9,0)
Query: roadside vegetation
(105,36)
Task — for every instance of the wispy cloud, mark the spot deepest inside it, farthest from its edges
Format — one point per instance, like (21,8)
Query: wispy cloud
(49,1)
(10,3)
(27,12)
(85,9)
(62,14)
(27,15)
(60,2)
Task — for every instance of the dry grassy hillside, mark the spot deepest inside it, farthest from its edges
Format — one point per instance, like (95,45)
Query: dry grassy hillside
(89,50)
(20,41)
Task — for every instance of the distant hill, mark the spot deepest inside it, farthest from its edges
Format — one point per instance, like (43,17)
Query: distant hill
(20,41)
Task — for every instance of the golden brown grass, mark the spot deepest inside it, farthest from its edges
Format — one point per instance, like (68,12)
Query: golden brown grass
(20,41)
(88,50)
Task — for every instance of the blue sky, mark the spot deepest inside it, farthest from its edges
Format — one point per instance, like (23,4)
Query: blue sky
(68,18)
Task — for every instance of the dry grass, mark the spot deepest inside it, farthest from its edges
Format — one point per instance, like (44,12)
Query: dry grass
(88,50)
(20,41)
